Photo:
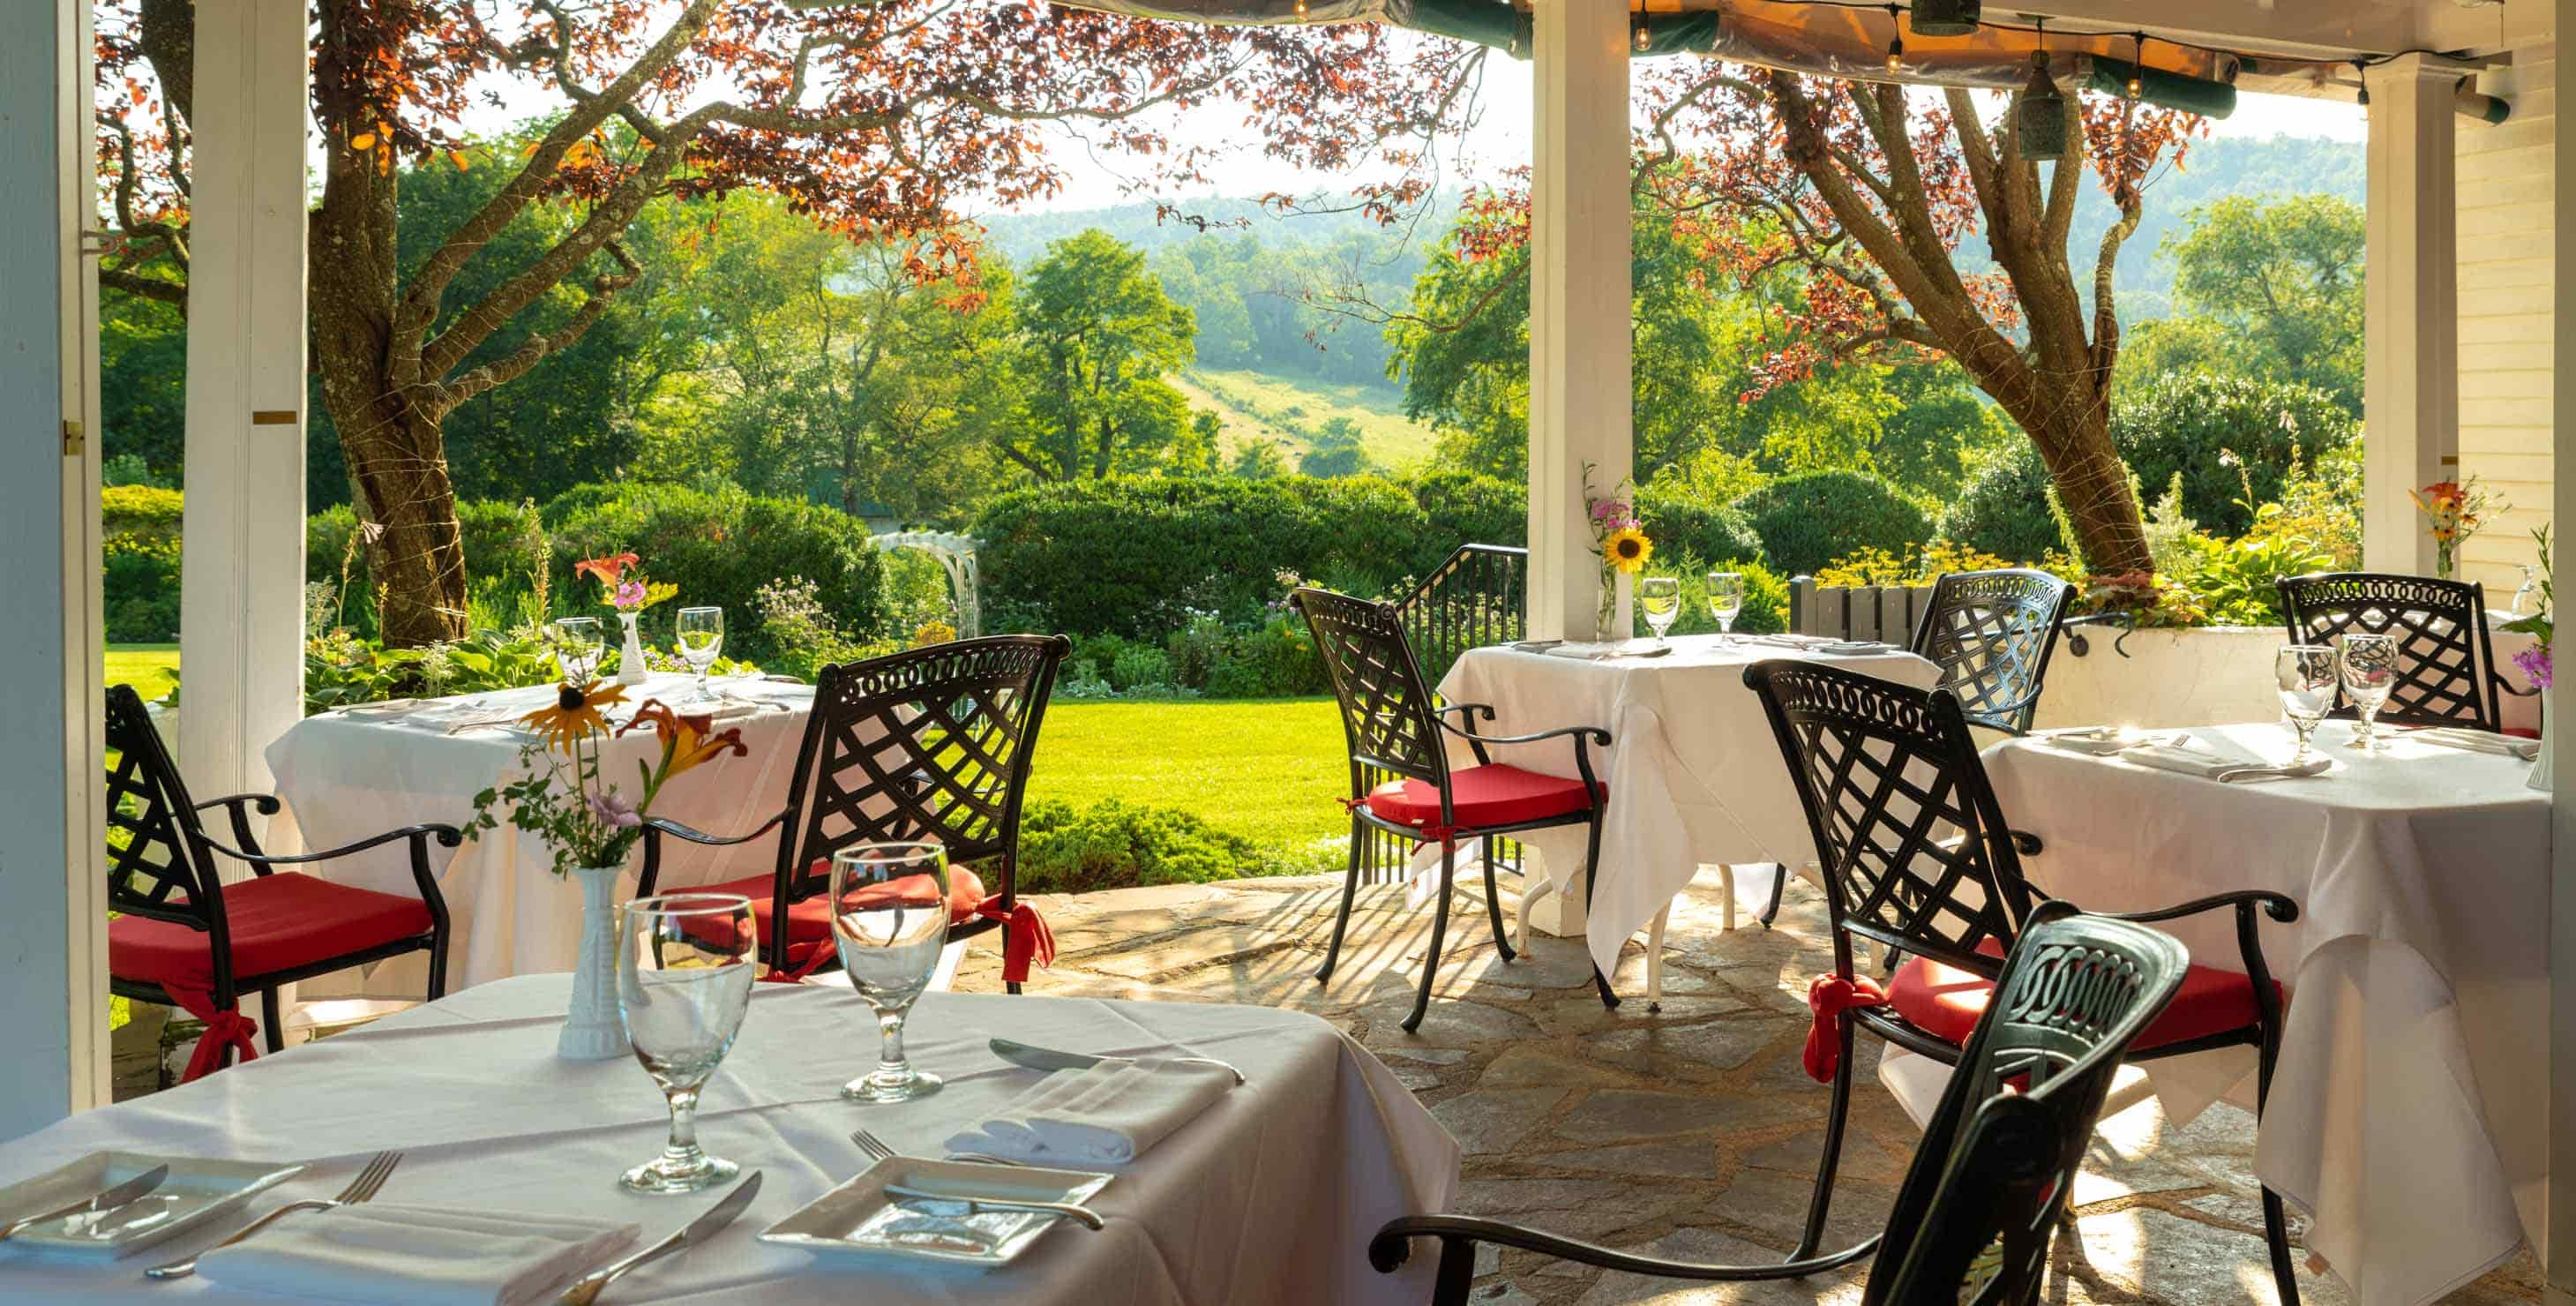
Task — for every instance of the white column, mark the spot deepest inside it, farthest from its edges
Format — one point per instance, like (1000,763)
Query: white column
(1580,388)
(241,623)
(52,915)
(2411,378)
(2560,1256)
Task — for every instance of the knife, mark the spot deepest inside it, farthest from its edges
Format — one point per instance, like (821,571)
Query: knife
(1079,1214)
(587,1288)
(1035,1058)
(132,1190)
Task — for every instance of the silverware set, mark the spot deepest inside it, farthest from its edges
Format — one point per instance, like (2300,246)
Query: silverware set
(587,1288)
(370,1178)
(968,1204)
(125,1194)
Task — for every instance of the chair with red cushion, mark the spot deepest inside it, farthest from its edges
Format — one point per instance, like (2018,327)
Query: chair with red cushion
(929,745)
(1916,857)
(182,937)
(1393,727)
(2446,667)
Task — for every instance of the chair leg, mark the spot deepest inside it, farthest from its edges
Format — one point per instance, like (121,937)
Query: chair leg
(1494,904)
(275,1035)
(438,963)
(1725,882)
(1779,883)
(1439,927)
(1342,922)
(1655,959)
(1591,871)
(1457,1272)
(1817,1205)
(2276,1220)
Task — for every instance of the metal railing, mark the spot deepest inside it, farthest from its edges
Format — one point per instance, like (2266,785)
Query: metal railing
(1477,597)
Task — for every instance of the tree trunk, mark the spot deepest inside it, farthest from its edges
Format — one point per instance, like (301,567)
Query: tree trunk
(2093,484)
(398,466)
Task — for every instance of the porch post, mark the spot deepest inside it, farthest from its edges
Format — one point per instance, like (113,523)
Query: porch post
(53,918)
(241,608)
(2560,1261)
(1579,301)
(2411,354)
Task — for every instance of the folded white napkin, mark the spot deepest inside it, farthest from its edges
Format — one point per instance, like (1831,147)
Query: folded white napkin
(1105,1115)
(425,1255)
(2479,741)
(2188,761)
(1584,652)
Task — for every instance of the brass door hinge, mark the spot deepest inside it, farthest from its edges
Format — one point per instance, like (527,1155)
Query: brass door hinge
(71,438)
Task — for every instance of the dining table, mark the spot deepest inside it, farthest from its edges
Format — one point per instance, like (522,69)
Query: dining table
(346,774)
(1694,773)
(2408,1115)
(1267,1195)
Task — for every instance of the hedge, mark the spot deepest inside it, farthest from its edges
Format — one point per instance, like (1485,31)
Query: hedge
(1676,522)
(1811,518)
(138,510)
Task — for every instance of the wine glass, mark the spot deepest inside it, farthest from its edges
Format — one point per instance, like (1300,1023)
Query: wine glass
(1725,600)
(701,636)
(2526,600)
(1661,597)
(889,921)
(2307,675)
(2369,672)
(684,972)
(578,647)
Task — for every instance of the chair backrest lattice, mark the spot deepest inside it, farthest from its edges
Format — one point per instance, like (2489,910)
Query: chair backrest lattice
(155,864)
(1914,852)
(2446,660)
(1991,633)
(1385,706)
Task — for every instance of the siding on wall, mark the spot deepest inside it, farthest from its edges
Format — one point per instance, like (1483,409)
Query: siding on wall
(2507,274)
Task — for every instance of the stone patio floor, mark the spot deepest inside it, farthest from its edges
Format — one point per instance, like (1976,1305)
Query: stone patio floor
(1691,1132)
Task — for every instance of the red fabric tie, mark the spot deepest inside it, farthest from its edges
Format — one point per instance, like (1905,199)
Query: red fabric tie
(1025,937)
(1828,997)
(226,1029)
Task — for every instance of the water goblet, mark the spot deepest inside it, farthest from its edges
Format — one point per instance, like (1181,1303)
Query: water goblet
(2307,675)
(889,921)
(2369,672)
(684,973)
(701,638)
(578,646)
(1725,600)
(1661,599)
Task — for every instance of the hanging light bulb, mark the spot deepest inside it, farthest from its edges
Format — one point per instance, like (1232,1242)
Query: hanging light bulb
(2137,64)
(2361,72)
(2041,120)
(1643,34)
(1945,17)
(1301,8)
(1896,43)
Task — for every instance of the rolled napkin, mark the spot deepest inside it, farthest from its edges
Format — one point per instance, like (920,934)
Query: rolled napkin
(2187,761)
(2479,741)
(385,1252)
(1108,1114)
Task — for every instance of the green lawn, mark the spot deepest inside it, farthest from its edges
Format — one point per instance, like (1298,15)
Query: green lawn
(150,668)
(1259,406)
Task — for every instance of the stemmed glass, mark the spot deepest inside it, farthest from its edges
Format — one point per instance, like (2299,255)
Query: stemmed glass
(2307,676)
(889,922)
(1725,599)
(2526,600)
(2369,672)
(684,972)
(701,636)
(1661,597)
(578,647)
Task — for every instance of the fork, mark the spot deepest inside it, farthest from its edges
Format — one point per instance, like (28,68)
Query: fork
(884,1151)
(370,1178)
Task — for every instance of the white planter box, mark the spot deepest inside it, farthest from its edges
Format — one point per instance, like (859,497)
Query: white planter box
(2205,676)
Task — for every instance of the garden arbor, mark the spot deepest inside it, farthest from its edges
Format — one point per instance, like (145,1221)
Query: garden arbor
(244,565)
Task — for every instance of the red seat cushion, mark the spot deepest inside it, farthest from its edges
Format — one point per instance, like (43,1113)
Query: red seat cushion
(1481,796)
(1946,1002)
(810,922)
(276,922)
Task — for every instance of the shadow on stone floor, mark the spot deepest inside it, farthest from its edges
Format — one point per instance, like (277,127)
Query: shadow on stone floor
(1689,1132)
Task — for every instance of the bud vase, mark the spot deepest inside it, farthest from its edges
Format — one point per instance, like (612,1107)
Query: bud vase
(2540,778)
(630,659)
(592,1029)
(1623,607)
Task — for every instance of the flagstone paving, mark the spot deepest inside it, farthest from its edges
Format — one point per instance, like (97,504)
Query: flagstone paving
(1689,1132)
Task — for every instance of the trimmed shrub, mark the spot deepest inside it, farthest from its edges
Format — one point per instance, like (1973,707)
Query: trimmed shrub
(1674,520)
(1811,518)
(1466,508)
(720,548)
(139,510)
(140,590)
(1112,845)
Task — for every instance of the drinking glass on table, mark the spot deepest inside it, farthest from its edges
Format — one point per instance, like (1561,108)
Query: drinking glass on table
(578,646)
(889,922)
(1725,600)
(1661,597)
(2307,675)
(684,972)
(701,636)
(2369,672)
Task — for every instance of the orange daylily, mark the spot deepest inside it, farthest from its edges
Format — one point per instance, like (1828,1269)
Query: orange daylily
(574,714)
(609,570)
(688,738)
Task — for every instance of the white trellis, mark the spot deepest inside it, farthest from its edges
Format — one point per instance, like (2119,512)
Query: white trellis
(956,555)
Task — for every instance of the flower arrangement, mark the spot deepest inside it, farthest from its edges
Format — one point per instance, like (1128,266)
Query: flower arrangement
(2535,661)
(586,820)
(626,589)
(2453,511)
(1617,536)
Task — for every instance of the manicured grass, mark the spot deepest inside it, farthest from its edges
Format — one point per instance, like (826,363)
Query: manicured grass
(1270,770)
(1257,405)
(150,668)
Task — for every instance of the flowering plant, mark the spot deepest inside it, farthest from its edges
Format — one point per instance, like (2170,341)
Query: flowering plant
(2453,511)
(2540,625)
(626,589)
(1616,533)
(586,820)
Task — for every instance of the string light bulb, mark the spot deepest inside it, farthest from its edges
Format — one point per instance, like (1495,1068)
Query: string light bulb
(1644,35)
(2137,65)
(1896,41)
(1301,8)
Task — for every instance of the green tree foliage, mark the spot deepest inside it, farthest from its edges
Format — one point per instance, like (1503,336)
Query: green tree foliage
(1812,518)
(1096,334)
(1337,451)
(2273,289)
(143,383)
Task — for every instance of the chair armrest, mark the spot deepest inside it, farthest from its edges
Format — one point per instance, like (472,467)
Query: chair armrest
(448,836)
(1393,1246)
(655,826)
(2278,906)
(235,805)
(2507,686)
(1472,709)
(1582,734)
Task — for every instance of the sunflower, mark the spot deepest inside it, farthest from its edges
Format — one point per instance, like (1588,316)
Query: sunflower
(1627,549)
(687,738)
(574,714)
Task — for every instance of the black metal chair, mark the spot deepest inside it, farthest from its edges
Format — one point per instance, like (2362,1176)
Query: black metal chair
(182,937)
(1988,1187)
(2446,672)
(931,744)
(1917,858)
(1392,725)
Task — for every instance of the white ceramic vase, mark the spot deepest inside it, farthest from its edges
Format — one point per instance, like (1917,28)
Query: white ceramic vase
(592,1030)
(630,659)
(1623,606)
(2540,778)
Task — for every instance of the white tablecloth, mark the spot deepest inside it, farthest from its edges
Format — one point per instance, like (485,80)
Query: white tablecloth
(1694,772)
(2409,1113)
(346,776)
(1269,1196)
